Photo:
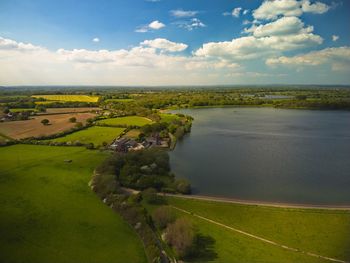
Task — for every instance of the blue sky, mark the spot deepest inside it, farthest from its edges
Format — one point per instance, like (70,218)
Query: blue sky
(173,42)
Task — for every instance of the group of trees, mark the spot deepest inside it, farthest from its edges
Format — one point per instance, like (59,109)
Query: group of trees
(149,168)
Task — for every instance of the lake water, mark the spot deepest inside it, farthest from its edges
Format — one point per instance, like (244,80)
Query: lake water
(266,154)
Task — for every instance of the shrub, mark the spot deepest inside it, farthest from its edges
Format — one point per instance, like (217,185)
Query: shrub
(163,216)
(73,119)
(180,235)
(150,196)
(45,121)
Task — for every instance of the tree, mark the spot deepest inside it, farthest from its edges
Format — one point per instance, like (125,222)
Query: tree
(40,108)
(180,236)
(73,119)
(45,122)
(183,186)
(163,216)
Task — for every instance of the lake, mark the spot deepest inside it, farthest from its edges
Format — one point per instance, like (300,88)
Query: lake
(266,154)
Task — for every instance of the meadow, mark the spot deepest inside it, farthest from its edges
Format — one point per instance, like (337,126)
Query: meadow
(323,232)
(119,100)
(78,98)
(96,135)
(34,128)
(49,213)
(127,121)
(168,117)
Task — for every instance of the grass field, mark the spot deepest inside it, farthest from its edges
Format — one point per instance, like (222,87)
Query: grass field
(96,135)
(34,127)
(23,109)
(322,232)
(119,100)
(167,117)
(80,98)
(49,214)
(129,120)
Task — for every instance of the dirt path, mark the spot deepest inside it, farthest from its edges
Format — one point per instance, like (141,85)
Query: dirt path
(260,203)
(259,238)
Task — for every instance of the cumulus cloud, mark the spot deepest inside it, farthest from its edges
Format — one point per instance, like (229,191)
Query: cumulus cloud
(284,34)
(8,44)
(272,9)
(280,27)
(164,44)
(338,58)
(108,67)
(335,38)
(250,47)
(191,24)
(154,25)
(182,13)
(96,40)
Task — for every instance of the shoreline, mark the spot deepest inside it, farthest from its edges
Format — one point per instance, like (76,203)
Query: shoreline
(259,203)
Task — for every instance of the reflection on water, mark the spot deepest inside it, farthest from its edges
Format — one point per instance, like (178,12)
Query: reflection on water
(267,154)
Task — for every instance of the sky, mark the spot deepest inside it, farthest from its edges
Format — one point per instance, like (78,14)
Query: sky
(174,42)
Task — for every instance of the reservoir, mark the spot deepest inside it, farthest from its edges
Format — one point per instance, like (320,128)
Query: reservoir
(267,154)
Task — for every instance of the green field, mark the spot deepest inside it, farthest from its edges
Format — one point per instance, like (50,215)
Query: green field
(79,98)
(96,135)
(119,100)
(167,117)
(49,214)
(129,120)
(322,232)
(23,109)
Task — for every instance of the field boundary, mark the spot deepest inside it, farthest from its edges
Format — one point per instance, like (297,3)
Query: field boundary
(258,237)
(259,203)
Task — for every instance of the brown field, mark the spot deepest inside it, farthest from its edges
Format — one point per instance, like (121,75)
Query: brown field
(67,110)
(34,127)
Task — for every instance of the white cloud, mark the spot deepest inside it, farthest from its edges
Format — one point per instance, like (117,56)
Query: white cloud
(246,11)
(335,38)
(164,44)
(236,12)
(284,34)
(182,13)
(272,9)
(194,23)
(280,27)
(154,25)
(96,40)
(8,44)
(316,8)
(337,58)
(109,67)
(250,47)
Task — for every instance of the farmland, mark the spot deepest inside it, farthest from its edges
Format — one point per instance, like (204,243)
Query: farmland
(96,135)
(322,232)
(49,214)
(33,127)
(80,98)
(127,121)
(119,100)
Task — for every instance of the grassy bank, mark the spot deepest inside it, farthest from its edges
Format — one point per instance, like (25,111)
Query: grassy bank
(322,232)
(128,121)
(49,214)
